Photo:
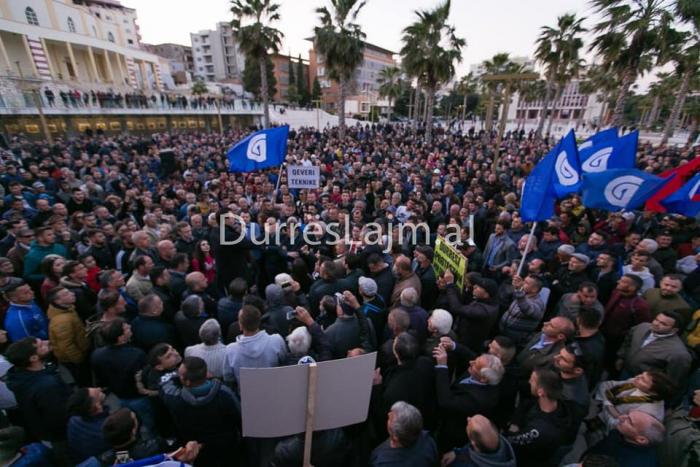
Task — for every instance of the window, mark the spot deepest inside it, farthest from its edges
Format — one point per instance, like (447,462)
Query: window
(94,31)
(31,16)
(71,25)
(110,37)
(130,41)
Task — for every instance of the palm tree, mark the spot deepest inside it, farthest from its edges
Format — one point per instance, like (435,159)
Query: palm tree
(687,60)
(558,50)
(467,85)
(530,91)
(199,88)
(658,91)
(430,51)
(633,35)
(509,87)
(498,64)
(692,110)
(257,38)
(339,40)
(573,68)
(390,85)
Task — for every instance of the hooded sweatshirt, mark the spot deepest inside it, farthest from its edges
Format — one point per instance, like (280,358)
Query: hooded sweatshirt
(275,318)
(646,277)
(209,413)
(504,456)
(261,350)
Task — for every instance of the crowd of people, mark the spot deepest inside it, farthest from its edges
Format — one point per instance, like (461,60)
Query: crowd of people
(135,286)
(74,98)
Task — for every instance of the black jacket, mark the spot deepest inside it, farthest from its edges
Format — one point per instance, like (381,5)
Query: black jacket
(188,328)
(41,398)
(475,321)
(429,290)
(149,331)
(412,382)
(115,367)
(104,256)
(459,401)
(385,283)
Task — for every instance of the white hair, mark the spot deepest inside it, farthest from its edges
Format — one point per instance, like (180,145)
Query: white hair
(409,297)
(493,371)
(299,341)
(650,245)
(441,320)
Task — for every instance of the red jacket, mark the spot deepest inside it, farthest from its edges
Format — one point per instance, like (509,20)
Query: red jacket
(622,313)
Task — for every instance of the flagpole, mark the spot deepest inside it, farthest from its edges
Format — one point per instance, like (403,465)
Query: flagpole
(279,178)
(527,247)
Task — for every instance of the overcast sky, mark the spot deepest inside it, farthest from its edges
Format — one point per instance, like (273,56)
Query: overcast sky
(489,26)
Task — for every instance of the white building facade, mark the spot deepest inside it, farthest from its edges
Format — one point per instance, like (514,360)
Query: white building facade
(93,43)
(216,56)
(573,109)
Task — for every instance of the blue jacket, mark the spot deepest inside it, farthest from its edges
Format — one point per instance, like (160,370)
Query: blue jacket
(85,437)
(26,320)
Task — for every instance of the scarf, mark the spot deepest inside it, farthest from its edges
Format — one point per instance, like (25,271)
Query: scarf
(613,396)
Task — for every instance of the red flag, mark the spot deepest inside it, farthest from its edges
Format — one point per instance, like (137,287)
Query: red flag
(683,174)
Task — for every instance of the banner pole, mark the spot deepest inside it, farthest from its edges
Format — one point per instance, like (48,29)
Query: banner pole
(310,413)
(279,178)
(527,247)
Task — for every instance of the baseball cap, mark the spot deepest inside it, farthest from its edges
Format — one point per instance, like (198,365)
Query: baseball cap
(581,257)
(283,280)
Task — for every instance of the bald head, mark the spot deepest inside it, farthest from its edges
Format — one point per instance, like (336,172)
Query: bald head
(482,434)
(166,249)
(402,266)
(196,282)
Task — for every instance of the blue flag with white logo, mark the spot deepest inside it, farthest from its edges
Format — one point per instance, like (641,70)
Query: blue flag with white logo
(685,201)
(262,149)
(610,152)
(538,197)
(619,189)
(567,168)
(604,136)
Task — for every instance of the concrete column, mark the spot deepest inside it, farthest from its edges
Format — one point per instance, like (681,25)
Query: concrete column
(73,63)
(52,70)
(121,69)
(144,75)
(156,75)
(110,73)
(35,72)
(5,56)
(93,64)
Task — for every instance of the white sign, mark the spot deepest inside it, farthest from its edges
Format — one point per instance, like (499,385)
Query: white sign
(274,400)
(300,176)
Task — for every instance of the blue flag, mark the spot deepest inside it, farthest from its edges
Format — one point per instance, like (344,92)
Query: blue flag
(686,200)
(538,197)
(619,189)
(567,168)
(262,149)
(604,136)
(610,152)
